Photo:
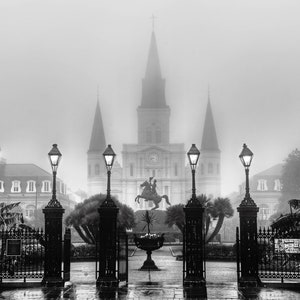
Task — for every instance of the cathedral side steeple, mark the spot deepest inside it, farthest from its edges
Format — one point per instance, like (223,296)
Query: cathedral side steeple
(96,165)
(210,158)
(97,141)
(153,113)
(209,137)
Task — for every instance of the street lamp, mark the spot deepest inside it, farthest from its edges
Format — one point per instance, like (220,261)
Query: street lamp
(108,212)
(246,159)
(54,158)
(53,229)
(248,230)
(193,246)
(193,156)
(109,157)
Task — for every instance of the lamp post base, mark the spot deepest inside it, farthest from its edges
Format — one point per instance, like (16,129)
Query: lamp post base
(53,281)
(107,282)
(195,287)
(249,282)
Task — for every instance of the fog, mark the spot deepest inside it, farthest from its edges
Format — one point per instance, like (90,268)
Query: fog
(54,54)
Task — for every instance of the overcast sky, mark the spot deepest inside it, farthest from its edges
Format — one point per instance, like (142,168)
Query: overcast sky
(53,54)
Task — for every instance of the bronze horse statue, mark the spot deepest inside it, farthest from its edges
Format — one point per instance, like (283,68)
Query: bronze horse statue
(149,195)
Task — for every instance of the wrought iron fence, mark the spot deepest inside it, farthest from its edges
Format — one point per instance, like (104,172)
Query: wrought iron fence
(237,249)
(279,253)
(21,254)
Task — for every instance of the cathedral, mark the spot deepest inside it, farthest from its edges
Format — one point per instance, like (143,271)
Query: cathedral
(154,155)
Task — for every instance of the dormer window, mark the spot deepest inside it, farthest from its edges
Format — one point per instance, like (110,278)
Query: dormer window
(16,186)
(46,186)
(277,185)
(1,186)
(262,185)
(30,186)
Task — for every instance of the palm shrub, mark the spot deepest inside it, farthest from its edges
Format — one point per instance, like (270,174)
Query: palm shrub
(216,210)
(85,217)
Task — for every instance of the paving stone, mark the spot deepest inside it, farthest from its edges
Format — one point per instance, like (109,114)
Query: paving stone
(164,284)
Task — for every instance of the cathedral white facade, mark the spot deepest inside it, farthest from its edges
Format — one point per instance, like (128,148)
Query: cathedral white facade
(154,155)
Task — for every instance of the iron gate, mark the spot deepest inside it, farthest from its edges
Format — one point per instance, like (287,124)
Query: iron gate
(22,254)
(122,256)
(186,248)
(279,254)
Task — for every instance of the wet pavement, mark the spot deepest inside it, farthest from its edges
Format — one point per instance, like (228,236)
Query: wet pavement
(163,284)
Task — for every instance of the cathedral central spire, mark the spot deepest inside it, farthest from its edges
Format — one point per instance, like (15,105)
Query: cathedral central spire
(153,89)
(153,66)
(153,113)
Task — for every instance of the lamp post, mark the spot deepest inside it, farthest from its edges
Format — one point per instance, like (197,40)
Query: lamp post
(193,262)
(246,159)
(193,156)
(53,228)
(54,158)
(109,158)
(108,212)
(248,229)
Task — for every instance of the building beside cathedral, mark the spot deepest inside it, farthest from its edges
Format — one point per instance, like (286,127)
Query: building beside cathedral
(31,186)
(154,155)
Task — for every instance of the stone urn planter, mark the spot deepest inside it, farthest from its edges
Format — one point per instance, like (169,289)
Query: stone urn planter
(149,243)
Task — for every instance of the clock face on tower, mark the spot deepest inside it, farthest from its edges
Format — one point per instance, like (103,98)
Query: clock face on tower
(153,157)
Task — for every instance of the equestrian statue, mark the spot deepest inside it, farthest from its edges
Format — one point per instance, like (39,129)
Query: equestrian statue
(149,193)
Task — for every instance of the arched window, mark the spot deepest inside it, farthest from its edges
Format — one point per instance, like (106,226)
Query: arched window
(158,135)
(141,167)
(29,211)
(264,212)
(131,169)
(97,169)
(210,168)
(166,167)
(1,186)
(176,170)
(148,136)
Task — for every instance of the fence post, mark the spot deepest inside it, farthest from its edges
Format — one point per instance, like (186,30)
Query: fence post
(53,244)
(107,254)
(193,249)
(67,254)
(248,243)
